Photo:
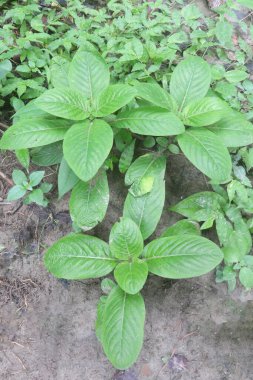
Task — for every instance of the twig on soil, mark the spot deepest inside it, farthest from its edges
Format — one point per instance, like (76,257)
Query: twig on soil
(8,180)
(20,361)
(4,126)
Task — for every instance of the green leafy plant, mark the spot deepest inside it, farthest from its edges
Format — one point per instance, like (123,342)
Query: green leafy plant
(30,189)
(231,212)
(121,314)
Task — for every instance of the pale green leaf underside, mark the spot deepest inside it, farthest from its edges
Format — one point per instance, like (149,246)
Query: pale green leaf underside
(182,256)
(131,277)
(36,132)
(146,210)
(86,146)
(89,201)
(123,327)
(79,257)
(152,121)
(234,130)
(64,102)
(206,151)
(190,81)
(125,239)
(88,74)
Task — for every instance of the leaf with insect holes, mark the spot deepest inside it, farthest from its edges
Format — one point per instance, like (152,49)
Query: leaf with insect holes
(79,256)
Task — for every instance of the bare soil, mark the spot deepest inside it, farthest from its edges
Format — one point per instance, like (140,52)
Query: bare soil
(194,329)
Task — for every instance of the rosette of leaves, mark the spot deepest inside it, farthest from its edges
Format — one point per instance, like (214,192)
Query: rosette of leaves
(204,125)
(121,313)
(68,124)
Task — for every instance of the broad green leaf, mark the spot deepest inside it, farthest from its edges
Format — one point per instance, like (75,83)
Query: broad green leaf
(86,146)
(235,76)
(37,132)
(88,74)
(65,103)
(113,98)
(200,206)
(190,81)
(153,121)
(36,196)
(182,227)
(131,276)
(224,33)
(18,177)
(59,67)
(78,257)
(47,155)
(205,150)
(182,256)
(123,328)
(125,239)
(66,178)
(5,68)
(29,112)
(246,3)
(223,229)
(16,192)
(89,201)
(234,130)
(142,173)
(146,210)
(155,94)
(204,112)
(246,276)
(239,243)
(126,157)
(36,177)
(23,157)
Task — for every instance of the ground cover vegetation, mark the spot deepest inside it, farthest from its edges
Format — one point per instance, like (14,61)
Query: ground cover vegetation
(87,88)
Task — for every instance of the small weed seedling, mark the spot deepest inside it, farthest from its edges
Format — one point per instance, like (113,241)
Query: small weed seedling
(30,189)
